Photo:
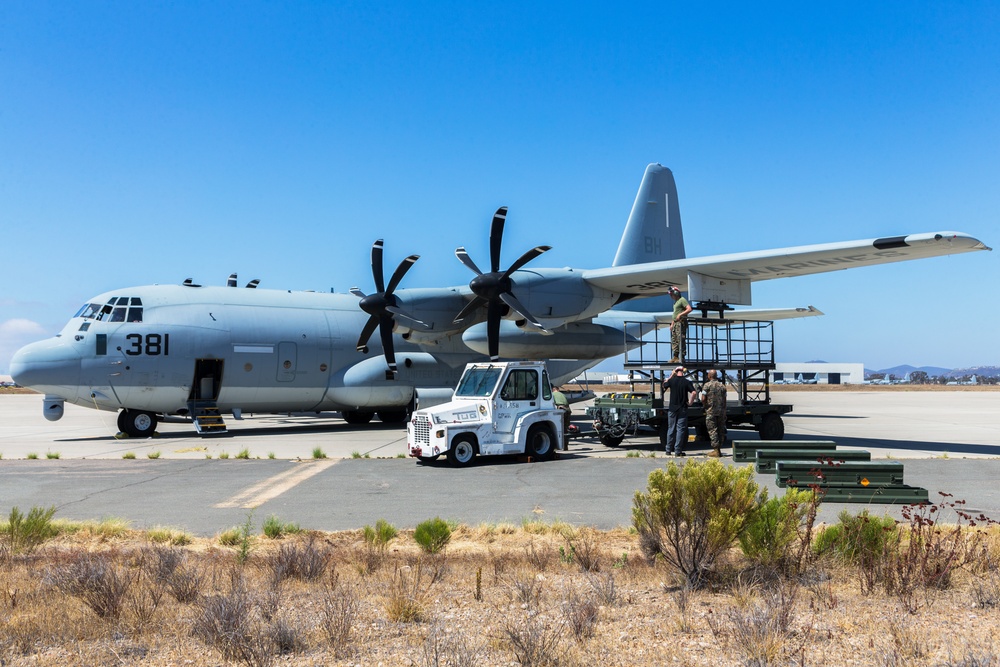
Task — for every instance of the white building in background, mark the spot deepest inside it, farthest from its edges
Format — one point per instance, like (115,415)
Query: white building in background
(821,372)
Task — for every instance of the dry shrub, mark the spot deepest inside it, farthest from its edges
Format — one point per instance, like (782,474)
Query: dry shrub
(525,587)
(759,630)
(232,624)
(581,613)
(406,597)
(540,557)
(96,580)
(305,562)
(442,648)
(340,614)
(533,642)
(604,588)
(170,567)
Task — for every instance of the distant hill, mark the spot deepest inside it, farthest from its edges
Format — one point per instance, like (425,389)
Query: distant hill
(980,371)
(900,371)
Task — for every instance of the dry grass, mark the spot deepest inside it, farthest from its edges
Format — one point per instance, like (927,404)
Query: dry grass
(88,598)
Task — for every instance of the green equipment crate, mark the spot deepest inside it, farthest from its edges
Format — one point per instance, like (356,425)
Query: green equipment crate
(875,495)
(746,450)
(861,474)
(767,459)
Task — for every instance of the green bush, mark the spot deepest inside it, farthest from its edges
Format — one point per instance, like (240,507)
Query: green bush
(25,532)
(692,514)
(774,526)
(857,538)
(378,538)
(432,535)
(274,528)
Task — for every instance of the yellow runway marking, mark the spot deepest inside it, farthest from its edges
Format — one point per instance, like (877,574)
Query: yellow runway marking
(271,488)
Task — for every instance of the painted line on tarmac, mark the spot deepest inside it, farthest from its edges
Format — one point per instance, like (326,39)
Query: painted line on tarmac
(271,488)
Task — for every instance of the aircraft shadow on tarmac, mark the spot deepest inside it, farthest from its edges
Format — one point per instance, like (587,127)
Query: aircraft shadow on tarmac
(278,426)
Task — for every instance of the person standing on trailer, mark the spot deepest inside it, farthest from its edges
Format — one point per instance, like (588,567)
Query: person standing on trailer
(678,326)
(713,398)
(681,395)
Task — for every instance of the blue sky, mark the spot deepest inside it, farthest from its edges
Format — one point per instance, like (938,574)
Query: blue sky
(150,142)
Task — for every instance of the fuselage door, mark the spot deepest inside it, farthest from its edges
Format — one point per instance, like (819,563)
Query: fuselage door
(287,360)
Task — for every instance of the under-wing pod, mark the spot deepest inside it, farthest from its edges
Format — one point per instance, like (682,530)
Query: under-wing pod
(576,340)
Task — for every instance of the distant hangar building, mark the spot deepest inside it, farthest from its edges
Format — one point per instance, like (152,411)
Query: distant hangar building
(821,372)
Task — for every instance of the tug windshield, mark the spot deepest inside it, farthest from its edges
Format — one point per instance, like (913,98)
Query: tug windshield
(478,382)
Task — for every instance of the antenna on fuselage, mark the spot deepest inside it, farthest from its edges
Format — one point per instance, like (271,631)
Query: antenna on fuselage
(188,282)
(253,283)
(232,280)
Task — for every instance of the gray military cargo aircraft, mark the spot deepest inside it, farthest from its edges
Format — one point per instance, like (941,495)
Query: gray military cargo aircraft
(200,352)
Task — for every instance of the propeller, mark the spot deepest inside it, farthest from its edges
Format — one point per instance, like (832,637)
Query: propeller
(383,307)
(494,288)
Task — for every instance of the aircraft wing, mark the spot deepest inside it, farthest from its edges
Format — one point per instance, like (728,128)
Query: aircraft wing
(751,314)
(655,277)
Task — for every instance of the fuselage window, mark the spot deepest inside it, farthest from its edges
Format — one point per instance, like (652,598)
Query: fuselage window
(118,315)
(134,314)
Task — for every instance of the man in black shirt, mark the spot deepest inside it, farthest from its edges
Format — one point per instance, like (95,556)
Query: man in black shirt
(681,395)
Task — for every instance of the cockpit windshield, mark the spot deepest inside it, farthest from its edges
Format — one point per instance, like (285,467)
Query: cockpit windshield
(117,309)
(478,382)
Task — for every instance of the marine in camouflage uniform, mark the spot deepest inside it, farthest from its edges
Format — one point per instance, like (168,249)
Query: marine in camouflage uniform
(678,325)
(713,398)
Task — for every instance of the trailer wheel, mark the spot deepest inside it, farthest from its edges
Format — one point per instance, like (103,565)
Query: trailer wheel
(462,452)
(771,427)
(609,440)
(540,442)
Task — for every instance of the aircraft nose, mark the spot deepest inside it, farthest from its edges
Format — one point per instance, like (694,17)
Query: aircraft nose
(50,366)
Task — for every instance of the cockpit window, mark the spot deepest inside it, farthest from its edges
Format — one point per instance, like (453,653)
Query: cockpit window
(89,311)
(117,309)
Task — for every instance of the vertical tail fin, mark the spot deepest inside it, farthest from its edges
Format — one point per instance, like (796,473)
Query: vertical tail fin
(653,232)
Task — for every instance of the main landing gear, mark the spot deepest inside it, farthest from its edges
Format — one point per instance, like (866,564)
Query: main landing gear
(137,423)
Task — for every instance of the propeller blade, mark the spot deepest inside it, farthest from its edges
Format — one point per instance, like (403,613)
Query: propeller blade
(465,259)
(401,270)
(493,329)
(385,332)
(408,319)
(358,293)
(496,237)
(367,332)
(469,308)
(527,257)
(519,308)
(377,266)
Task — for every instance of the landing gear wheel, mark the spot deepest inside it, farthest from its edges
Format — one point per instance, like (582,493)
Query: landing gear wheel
(137,423)
(540,442)
(392,416)
(771,427)
(462,451)
(356,417)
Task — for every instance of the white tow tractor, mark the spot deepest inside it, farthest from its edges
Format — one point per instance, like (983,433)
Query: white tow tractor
(498,408)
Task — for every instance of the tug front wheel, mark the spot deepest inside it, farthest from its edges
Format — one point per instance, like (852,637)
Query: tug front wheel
(462,452)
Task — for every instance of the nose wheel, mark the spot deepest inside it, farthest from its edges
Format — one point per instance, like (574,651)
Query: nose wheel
(137,423)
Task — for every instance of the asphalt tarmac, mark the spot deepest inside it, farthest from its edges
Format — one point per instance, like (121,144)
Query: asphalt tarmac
(949,442)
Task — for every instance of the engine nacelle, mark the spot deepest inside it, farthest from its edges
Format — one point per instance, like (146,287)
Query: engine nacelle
(576,340)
